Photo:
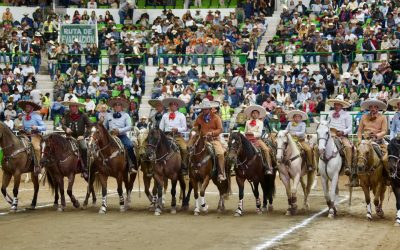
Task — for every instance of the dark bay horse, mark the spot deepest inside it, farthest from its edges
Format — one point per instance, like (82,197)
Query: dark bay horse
(60,160)
(167,163)
(248,166)
(18,159)
(110,160)
(393,170)
(201,172)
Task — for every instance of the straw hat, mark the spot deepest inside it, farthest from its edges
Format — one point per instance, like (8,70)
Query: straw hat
(22,105)
(261,110)
(167,101)
(206,104)
(154,102)
(366,104)
(292,113)
(393,102)
(113,101)
(69,103)
(331,102)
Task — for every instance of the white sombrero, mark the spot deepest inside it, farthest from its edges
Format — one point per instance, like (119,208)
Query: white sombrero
(206,104)
(368,103)
(393,102)
(331,102)
(292,113)
(261,110)
(69,103)
(167,101)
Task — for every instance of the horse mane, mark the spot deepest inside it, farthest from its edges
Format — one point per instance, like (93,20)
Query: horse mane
(163,139)
(59,141)
(247,146)
(394,147)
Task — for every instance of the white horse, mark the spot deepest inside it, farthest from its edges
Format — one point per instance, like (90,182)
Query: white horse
(292,167)
(329,165)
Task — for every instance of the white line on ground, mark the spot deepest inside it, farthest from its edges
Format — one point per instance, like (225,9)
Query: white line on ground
(270,242)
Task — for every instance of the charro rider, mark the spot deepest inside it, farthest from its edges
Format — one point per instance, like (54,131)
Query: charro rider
(119,123)
(253,130)
(395,126)
(340,125)
(76,124)
(297,128)
(211,127)
(158,112)
(32,125)
(173,123)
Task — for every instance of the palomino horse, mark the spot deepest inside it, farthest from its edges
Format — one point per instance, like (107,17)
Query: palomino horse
(60,160)
(201,172)
(248,166)
(329,165)
(110,161)
(394,173)
(167,163)
(370,171)
(18,159)
(292,167)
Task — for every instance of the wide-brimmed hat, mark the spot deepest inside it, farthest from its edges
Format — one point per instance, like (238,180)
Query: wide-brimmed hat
(261,110)
(22,105)
(154,102)
(331,102)
(393,102)
(292,113)
(206,104)
(113,101)
(69,103)
(366,104)
(167,101)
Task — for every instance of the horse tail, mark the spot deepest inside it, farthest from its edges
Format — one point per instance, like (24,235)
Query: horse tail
(229,183)
(97,183)
(270,188)
(51,182)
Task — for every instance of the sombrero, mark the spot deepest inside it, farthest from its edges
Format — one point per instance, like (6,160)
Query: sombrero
(292,113)
(123,101)
(167,101)
(393,102)
(366,104)
(22,105)
(331,102)
(69,103)
(206,104)
(154,102)
(258,108)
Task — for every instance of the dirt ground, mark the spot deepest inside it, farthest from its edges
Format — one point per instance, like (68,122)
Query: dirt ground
(140,229)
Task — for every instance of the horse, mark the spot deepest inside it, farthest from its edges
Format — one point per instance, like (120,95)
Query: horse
(393,170)
(329,165)
(201,172)
(270,140)
(248,166)
(370,171)
(167,163)
(18,159)
(60,160)
(111,161)
(292,167)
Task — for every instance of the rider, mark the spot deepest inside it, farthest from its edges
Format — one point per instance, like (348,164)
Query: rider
(76,124)
(211,126)
(395,126)
(340,125)
(173,123)
(254,128)
(159,112)
(119,123)
(297,128)
(33,124)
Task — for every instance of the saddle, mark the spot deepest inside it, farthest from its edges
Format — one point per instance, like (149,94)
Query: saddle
(273,146)
(339,145)
(119,143)
(173,145)
(211,151)
(256,146)
(74,145)
(377,149)
(27,144)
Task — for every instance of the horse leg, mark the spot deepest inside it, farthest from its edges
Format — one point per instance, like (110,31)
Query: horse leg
(380,196)
(365,188)
(4,185)
(60,181)
(160,184)
(17,180)
(146,181)
(91,190)
(257,196)
(240,182)
(173,194)
(186,198)
(195,185)
(71,180)
(293,194)
(286,182)
(307,191)
(333,192)
(128,182)
(56,195)
(35,181)
(120,193)
(204,185)
(396,191)
(154,196)
(103,181)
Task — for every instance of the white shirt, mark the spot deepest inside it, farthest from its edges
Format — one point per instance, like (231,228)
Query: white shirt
(179,122)
(9,124)
(256,130)
(343,123)
(127,81)
(186,98)
(66,97)
(35,95)
(90,106)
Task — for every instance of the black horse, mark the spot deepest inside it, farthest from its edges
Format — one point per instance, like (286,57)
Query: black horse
(393,169)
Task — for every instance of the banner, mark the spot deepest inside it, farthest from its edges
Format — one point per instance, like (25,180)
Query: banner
(85,33)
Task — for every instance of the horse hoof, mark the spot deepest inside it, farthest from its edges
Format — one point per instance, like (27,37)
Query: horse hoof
(237,214)
(259,211)
(331,216)
(381,214)
(185,208)
(102,210)
(55,205)
(32,208)
(122,209)
(204,209)
(307,207)
(60,209)
(288,212)
(13,210)
(77,204)
(369,217)
(157,213)
(270,208)
(84,207)
(196,213)
(173,211)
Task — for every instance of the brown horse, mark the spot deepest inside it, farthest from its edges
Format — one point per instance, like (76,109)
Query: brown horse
(111,161)
(371,174)
(248,166)
(201,172)
(18,159)
(60,160)
(167,163)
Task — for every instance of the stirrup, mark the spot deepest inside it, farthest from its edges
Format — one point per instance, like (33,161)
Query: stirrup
(221,177)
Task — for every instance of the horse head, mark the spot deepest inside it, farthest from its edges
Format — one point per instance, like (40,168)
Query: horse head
(282,142)
(46,150)
(394,158)
(153,142)
(194,138)
(363,153)
(234,147)
(324,135)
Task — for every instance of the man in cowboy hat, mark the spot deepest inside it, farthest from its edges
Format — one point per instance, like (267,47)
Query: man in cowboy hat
(32,125)
(340,124)
(158,112)
(211,126)
(253,131)
(297,128)
(119,123)
(76,124)
(173,123)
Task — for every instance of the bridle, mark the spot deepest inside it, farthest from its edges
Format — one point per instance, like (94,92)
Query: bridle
(284,149)
(323,156)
